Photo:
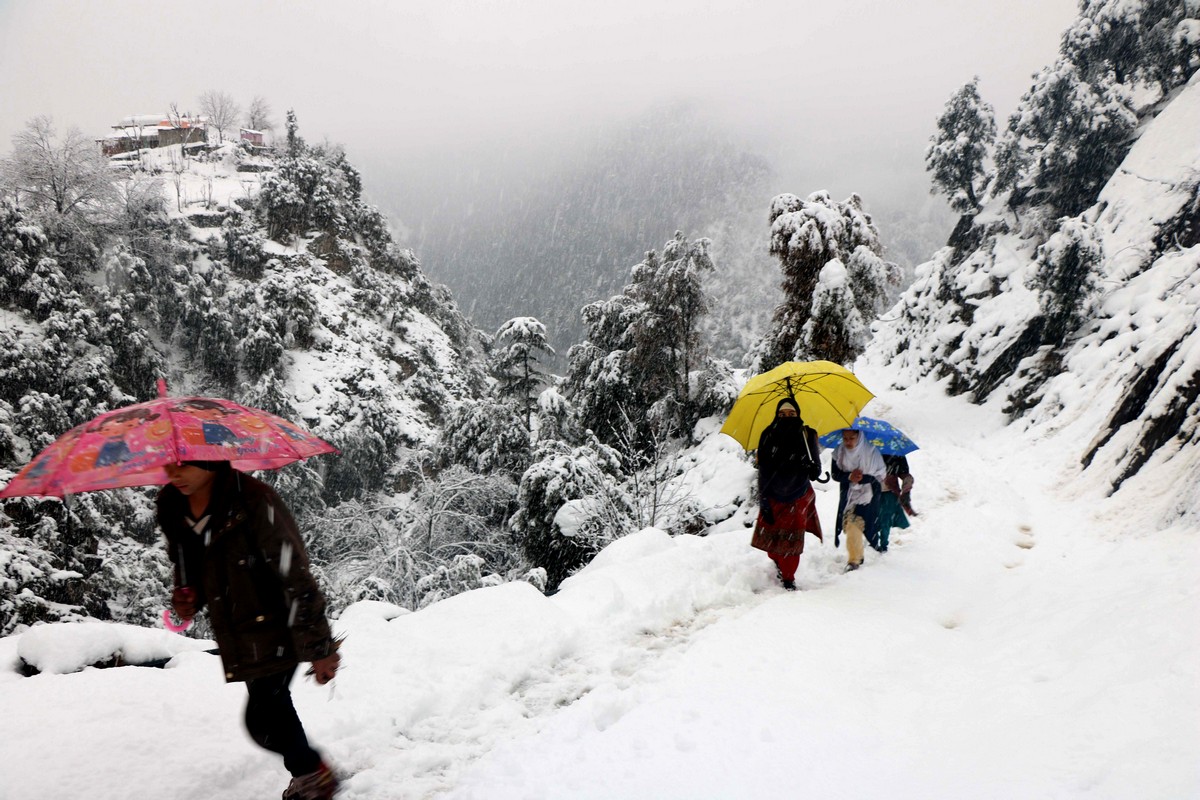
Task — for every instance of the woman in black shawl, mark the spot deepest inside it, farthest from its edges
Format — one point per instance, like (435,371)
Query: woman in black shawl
(788,460)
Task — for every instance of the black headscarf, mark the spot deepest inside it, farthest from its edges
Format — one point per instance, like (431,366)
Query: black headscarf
(787,457)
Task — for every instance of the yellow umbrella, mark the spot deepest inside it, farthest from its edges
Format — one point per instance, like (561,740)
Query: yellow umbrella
(829,397)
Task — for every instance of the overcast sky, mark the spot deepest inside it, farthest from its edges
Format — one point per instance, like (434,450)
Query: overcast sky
(849,89)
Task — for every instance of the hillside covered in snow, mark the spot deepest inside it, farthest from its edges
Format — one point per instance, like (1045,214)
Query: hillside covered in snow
(545,584)
(1071,290)
(231,271)
(1022,639)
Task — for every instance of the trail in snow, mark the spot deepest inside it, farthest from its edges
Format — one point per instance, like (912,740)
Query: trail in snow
(1023,639)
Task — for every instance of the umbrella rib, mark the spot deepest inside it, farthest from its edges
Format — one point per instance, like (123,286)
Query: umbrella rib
(166,410)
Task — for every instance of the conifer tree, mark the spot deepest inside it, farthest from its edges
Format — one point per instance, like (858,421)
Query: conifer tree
(486,436)
(835,330)
(586,477)
(643,346)
(1066,278)
(956,154)
(1068,136)
(806,235)
(515,363)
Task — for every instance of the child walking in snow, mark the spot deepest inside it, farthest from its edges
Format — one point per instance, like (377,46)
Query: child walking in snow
(859,470)
(237,552)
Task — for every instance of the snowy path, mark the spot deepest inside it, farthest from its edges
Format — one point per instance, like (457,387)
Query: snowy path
(1021,640)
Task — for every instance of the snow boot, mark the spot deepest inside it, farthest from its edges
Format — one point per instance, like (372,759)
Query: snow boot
(789,585)
(319,785)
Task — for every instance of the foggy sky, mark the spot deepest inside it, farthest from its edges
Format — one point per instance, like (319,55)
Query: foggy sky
(849,90)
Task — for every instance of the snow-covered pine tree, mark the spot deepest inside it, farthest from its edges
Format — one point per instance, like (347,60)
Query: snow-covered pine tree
(486,436)
(515,363)
(1116,63)
(244,243)
(1066,278)
(835,330)
(1144,42)
(642,349)
(805,236)
(1068,134)
(667,339)
(957,152)
(868,278)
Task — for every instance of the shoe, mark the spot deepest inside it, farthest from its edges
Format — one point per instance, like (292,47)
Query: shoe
(319,785)
(789,585)
(854,566)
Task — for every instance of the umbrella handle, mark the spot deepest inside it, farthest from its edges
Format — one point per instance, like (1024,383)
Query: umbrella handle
(823,478)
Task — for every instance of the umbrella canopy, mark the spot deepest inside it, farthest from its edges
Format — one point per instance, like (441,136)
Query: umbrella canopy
(890,440)
(828,395)
(130,446)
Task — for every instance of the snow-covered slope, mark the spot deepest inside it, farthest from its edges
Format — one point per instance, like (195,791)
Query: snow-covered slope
(1136,374)
(375,338)
(262,277)
(1022,639)
(1126,383)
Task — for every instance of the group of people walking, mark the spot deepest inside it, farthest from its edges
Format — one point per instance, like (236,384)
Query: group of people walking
(874,492)
(237,553)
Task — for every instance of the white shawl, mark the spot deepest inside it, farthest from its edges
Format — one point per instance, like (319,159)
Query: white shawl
(864,456)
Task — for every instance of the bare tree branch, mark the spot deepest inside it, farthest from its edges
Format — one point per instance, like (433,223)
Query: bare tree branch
(221,110)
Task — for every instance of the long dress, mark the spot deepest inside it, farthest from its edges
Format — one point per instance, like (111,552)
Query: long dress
(787,508)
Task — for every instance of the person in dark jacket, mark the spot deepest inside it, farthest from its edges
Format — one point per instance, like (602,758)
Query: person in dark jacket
(897,467)
(858,467)
(894,503)
(237,552)
(788,460)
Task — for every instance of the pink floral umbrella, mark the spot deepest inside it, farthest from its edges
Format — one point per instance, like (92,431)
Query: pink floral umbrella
(130,446)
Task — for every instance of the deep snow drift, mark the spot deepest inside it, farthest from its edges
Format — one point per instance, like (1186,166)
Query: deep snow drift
(1025,638)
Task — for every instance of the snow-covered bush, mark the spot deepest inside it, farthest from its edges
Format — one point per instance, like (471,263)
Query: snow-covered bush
(569,505)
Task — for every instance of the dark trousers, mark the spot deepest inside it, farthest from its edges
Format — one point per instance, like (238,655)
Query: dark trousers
(273,723)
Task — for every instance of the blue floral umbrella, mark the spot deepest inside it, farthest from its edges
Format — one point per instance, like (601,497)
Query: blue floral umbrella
(890,440)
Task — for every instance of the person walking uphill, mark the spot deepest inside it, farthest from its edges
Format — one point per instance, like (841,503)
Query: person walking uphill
(788,460)
(858,468)
(237,551)
(894,503)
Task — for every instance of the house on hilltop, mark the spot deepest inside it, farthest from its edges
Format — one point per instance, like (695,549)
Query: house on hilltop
(253,137)
(184,130)
(149,131)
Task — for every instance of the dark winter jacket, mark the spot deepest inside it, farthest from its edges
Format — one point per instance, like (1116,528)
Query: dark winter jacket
(788,459)
(251,571)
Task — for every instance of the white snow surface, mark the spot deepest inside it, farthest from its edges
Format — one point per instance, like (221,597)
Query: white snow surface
(1027,637)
